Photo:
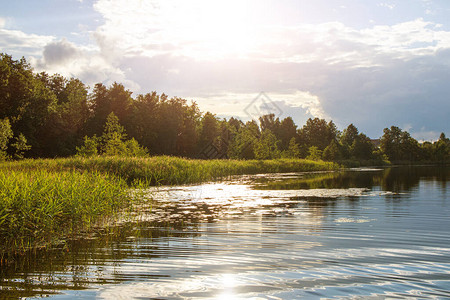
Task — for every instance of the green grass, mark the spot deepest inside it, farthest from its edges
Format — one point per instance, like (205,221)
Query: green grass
(170,170)
(38,207)
(44,200)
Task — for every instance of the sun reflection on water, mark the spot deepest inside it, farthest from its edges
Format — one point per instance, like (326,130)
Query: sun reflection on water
(229,282)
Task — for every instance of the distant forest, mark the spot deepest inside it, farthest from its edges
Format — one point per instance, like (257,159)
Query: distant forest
(53,116)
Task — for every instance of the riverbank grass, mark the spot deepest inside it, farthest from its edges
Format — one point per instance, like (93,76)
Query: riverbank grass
(168,170)
(38,207)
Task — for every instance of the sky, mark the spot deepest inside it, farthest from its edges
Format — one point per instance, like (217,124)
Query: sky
(372,63)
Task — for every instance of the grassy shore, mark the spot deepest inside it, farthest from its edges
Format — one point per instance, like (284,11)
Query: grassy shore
(38,207)
(169,170)
(43,200)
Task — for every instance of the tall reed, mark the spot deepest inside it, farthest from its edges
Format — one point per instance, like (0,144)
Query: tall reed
(170,170)
(39,206)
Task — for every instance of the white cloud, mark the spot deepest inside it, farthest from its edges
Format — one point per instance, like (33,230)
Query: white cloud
(209,29)
(85,63)
(424,135)
(407,127)
(235,104)
(22,44)
(305,100)
(390,6)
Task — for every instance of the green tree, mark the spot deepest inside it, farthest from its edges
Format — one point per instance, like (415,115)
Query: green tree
(65,125)
(235,124)
(398,145)
(293,150)
(5,135)
(317,132)
(114,99)
(25,100)
(427,151)
(134,149)
(20,146)
(347,138)
(170,121)
(209,130)
(268,122)
(100,106)
(442,149)
(17,145)
(89,148)
(314,153)
(143,120)
(243,144)
(121,101)
(286,132)
(188,133)
(332,152)
(112,142)
(267,146)
(390,143)
(113,138)
(114,145)
(55,83)
(113,129)
(349,135)
(362,148)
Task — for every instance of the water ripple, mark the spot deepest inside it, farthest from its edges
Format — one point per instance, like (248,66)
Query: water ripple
(371,234)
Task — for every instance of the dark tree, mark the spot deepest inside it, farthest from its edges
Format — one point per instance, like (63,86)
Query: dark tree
(287,131)
(317,132)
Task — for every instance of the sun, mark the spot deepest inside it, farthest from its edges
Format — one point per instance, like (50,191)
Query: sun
(212,28)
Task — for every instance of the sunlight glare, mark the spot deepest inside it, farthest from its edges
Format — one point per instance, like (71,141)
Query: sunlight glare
(228,283)
(213,28)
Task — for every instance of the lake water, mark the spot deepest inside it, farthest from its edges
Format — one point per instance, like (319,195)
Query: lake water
(363,233)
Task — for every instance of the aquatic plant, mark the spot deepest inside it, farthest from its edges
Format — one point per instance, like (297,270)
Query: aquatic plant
(38,206)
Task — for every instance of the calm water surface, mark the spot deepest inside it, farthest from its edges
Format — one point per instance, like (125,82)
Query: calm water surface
(367,233)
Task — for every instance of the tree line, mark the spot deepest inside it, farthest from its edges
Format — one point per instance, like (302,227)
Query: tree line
(44,115)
